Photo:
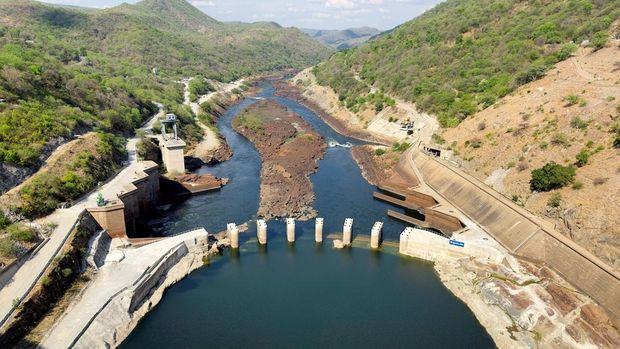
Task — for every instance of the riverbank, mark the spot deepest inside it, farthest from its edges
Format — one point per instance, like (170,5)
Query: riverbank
(289,150)
(286,89)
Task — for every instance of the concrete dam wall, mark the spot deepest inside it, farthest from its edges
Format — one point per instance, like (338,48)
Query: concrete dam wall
(522,233)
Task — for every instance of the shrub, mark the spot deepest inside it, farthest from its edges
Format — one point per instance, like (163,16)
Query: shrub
(599,40)
(437,138)
(582,158)
(379,151)
(46,281)
(475,143)
(579,123)
(4,221)
(523,165)
(577,185)
(401,147)
(20,233)
(8,248)
(555,200)
(66,272)
(482,126)
(560,139)
(571,100)
(551,176)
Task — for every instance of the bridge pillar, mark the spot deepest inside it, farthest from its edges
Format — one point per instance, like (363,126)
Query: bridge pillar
(290,229)
(404,240)
(233,235)
(346,231)
(318,230)
(375,235)
(261,231)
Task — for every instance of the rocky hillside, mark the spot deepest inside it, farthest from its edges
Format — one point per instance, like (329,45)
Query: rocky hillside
(343,39)
(463,55)
(65,71)
(571,117)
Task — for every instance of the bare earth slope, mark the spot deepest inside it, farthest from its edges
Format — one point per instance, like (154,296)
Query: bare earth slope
(536,125)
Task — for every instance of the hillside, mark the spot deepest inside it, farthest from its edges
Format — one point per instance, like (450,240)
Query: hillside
(574,109)
(463,55)
(343,39)
(64,71)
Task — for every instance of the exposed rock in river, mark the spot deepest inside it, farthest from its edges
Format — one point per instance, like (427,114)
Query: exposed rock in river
(289,150)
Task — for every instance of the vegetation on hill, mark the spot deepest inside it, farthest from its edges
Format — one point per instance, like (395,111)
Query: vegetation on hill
(552,176)
(463,55)
(64,71)
(343,39)
(47,189)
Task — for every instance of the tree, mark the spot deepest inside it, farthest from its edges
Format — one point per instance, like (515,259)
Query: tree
(582,158)
(551,176)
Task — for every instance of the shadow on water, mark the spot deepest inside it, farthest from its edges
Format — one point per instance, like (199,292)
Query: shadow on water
(303,295)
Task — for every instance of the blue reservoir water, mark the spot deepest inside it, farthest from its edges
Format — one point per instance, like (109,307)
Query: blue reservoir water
(304,295)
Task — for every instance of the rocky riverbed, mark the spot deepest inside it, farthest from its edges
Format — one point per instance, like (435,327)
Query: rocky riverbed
(289,149)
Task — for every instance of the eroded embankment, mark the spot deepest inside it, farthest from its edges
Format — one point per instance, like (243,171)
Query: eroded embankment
(289,149)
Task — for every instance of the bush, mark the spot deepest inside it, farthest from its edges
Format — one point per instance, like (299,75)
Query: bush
(577,185)
(437,138)
(551,176)
(4,221)
(582,158)
(8,248)
(571,100)
(599,40)
(555,200)
(66,272)
(20,233)
(199,86)
(579,123)
(379,151)
(560,139)
(401,147)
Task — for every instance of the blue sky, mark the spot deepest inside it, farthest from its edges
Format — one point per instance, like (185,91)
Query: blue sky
(318,14)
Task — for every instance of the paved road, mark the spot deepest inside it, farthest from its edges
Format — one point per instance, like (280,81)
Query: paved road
(26,277)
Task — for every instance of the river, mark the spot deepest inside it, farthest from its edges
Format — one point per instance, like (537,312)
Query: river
(303,295)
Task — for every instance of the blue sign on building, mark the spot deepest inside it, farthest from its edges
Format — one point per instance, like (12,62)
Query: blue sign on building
(457,243)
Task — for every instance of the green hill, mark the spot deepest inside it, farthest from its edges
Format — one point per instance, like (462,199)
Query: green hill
(343,39)
(66,70)
(462,55)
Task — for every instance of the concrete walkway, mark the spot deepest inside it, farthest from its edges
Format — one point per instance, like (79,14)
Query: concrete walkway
(29,273)
(112,279)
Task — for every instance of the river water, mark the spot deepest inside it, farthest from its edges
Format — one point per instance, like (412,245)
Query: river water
(303,295)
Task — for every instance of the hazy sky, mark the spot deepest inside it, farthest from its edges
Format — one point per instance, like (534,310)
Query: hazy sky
(318,14)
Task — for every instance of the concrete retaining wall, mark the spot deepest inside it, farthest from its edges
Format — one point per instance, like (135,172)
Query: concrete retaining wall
(522,234)
(432,247)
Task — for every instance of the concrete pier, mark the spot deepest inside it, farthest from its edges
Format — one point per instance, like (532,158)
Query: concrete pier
(375,235)
(318,230)
(261,231)
(290,229)
(346,231)
(233,235)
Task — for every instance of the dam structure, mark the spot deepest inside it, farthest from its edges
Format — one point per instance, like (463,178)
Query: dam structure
(520,232)
(280,276)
